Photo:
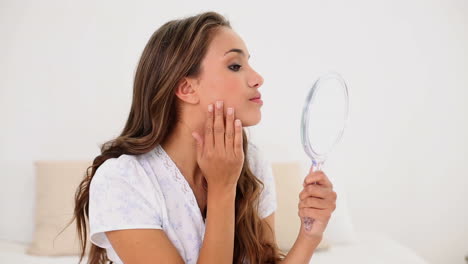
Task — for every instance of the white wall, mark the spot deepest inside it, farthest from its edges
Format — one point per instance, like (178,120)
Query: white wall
(66,72)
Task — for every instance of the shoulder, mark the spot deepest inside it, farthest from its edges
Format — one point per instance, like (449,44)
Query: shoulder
(124,180)
(128,168)
(258,162)
(254,154)
(262,168)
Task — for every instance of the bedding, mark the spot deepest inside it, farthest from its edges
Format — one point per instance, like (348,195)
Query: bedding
(370,248)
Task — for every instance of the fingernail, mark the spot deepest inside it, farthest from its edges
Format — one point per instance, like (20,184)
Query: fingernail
(210,108)
(219,104)
(230,111)
(238,122)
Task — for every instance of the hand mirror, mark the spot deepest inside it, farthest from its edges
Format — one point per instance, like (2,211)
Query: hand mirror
(324,118)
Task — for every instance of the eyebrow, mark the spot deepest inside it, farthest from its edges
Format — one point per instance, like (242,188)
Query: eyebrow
(236,50)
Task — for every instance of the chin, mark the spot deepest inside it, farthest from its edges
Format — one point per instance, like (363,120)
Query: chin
(251,119)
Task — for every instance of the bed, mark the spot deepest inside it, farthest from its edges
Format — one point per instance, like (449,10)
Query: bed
(370,248)
(54,203)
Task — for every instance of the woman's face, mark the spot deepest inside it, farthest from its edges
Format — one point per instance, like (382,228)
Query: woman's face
(227,76)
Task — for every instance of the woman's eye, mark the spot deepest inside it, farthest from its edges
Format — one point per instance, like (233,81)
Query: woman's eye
(234,65)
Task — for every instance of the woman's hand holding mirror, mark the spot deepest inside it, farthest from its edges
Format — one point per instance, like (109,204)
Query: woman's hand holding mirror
(317,201)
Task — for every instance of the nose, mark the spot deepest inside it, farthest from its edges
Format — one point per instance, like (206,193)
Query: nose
(256,81)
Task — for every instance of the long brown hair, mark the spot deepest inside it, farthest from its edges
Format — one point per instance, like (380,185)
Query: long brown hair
(174,51)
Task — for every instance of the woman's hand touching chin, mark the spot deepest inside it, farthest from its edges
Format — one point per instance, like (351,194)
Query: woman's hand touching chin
(220,152)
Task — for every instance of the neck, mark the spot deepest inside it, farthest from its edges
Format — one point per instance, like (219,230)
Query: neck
(181,147)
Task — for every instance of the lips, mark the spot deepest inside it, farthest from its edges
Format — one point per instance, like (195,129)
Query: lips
(257,96)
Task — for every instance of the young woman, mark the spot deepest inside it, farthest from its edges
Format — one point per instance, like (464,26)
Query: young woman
(182,184)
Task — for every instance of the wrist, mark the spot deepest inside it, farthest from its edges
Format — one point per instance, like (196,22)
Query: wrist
(313,239)
(221,193)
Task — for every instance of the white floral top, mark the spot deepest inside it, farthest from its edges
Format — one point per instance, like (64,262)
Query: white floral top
(149,191)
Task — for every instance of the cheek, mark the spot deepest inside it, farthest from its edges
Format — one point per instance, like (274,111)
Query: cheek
(229,92)
(237,99)
(220,85)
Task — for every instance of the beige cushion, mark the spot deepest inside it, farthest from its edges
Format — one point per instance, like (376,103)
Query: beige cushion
(287,222)
(56,183)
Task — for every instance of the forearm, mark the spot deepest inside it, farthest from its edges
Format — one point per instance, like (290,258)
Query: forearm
(218,242)
(302,250)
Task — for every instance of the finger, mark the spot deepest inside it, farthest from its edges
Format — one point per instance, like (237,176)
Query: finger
(229,137)
(319,178)
(311,171)
(314,191)
(208,142)
(312,202)
(238,138)
(219,127)
(199,144)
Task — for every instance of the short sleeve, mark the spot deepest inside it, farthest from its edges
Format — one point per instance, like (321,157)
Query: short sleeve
(262,168)
(122,196)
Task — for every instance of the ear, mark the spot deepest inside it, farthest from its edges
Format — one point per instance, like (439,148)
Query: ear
(187,91)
